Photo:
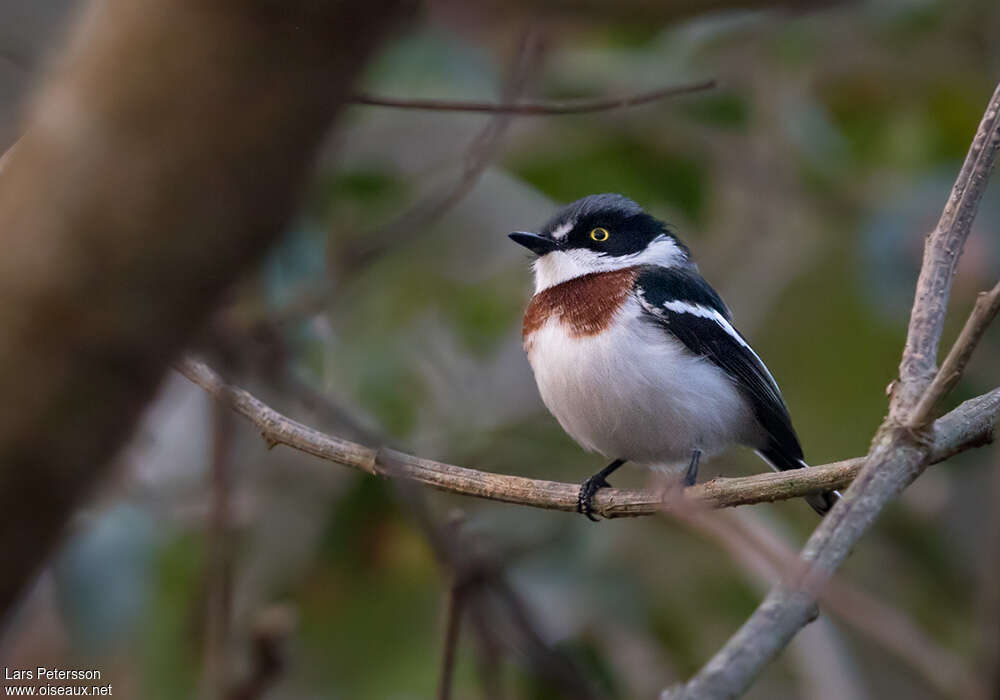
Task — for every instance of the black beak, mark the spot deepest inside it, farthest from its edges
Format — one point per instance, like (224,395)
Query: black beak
(539,245)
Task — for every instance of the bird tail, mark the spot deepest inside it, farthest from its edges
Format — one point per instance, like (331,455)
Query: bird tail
(780,462)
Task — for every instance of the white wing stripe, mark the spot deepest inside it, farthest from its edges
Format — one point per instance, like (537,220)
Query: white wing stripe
(683,307)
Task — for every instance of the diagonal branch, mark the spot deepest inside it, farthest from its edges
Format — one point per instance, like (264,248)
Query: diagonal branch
(941,253)
(103,280)
(538,109)
(477,158)
(983,313)
(900,450)
(970,425)
(749,543)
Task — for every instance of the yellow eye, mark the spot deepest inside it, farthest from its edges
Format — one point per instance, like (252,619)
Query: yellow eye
(599,234)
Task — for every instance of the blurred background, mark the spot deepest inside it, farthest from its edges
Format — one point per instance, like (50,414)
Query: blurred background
(390,314)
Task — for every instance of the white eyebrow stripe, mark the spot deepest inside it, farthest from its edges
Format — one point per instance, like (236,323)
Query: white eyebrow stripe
(563,229)
(683,307)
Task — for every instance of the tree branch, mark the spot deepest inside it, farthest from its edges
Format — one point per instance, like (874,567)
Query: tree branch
(146,181)
(476,159)
(747,541)
(452,628)
(537,109)
(941,253)
(983,313)
(899,453)
(970,425)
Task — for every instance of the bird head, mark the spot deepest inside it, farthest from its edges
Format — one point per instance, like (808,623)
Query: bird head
(599,233)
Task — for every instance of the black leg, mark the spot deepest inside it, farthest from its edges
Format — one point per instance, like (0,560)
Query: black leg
(591,486)
(691,475)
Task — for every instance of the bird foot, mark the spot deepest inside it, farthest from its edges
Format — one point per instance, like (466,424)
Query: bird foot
(691,475)
(585,499)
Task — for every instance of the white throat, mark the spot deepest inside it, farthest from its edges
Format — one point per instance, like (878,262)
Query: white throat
(562,265)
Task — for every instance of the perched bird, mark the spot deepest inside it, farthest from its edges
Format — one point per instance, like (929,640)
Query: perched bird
(637,356)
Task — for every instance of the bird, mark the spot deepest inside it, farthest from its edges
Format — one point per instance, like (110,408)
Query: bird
(637,356)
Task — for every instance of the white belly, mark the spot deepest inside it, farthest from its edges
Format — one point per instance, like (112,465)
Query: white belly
(633,392)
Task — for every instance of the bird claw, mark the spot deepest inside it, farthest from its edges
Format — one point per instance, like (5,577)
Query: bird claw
(584,500)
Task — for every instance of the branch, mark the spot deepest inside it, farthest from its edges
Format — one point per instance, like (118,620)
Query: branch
(970,425)
(900,450)
(753,545)
(217,607)
(941,253)
(103,280)
(477,158)
(492,605)
(983,313)
(538,109)
(452,627)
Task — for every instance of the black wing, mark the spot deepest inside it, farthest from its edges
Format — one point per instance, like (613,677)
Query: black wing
(685,305)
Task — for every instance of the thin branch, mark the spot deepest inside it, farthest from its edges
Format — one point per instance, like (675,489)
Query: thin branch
(452,626)
(487,597)
(453,612)
(538,109)
(883,624)
(162,240)
(983,313)
(898,455)
(219,563)
(970,425)
(941,253)
(499,615)
(476,159)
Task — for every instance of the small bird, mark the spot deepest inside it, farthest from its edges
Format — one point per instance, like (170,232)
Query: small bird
(637,356)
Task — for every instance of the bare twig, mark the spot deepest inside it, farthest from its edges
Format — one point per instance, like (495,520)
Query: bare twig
(197,178)
(482,581)
(886,626)
(557,668)
(475,160)
(971,424)
(538,109)
(983,313)
(218,568)
(456,593)
(944,247)
(898,455)
(489,602)
(500,616)
(488,660)
(452,626)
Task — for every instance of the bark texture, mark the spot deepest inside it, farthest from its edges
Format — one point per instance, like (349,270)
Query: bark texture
(159,160)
